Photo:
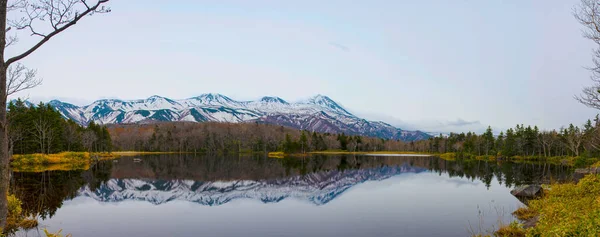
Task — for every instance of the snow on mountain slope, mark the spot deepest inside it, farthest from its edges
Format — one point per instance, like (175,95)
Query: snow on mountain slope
(317,188)
(319,113)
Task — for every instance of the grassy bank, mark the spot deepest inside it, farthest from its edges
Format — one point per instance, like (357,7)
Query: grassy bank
(565,210)
(69,160)
(59,158)
(15,218)
(281,154)
(340,152)
(578,161)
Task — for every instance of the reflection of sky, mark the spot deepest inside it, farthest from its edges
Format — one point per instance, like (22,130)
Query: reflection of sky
(421,204)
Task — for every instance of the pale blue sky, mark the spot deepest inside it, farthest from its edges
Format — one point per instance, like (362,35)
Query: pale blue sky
(430,65)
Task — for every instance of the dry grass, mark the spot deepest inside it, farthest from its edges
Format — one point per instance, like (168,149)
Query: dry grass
(139,153)
(514,229)
(58,158)
(36,168)
(278,154)
(55,234)
(525,213)
(448,156)
(28,223)
(569,209)
(15,218)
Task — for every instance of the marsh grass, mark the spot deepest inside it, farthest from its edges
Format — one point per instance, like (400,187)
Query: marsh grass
(278,154)
(58,158)
(36,168)
(569,209)
(525,213)
(55,234)
(16,219)
(514,229)
(479,230)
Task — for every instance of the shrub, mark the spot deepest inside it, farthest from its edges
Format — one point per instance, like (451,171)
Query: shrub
(14,206)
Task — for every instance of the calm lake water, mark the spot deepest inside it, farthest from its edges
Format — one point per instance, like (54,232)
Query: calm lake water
(186,195)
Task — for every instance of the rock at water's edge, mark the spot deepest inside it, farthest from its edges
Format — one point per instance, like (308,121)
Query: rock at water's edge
(527,191)
(580,173)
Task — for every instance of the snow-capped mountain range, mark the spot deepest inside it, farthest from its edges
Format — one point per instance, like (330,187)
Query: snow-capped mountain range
(317,188)
(318,113)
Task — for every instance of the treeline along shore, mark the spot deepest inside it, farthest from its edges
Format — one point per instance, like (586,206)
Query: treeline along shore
(41,129)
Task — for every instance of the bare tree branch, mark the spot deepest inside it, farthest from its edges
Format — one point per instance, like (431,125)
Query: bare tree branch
(61,14)
(588,15)
(20,78)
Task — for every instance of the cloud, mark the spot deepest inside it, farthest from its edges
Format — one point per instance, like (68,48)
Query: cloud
(431,126)
(461,122)
(340,46)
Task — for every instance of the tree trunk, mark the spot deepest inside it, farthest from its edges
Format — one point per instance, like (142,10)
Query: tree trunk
(4,157)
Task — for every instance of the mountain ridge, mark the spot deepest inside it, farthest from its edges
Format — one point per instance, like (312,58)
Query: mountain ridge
(318,113)
(317,188)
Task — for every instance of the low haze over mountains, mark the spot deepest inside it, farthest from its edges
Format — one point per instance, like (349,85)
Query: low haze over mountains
(319,114)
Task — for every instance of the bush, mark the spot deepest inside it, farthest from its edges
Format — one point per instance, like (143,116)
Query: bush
(14,206)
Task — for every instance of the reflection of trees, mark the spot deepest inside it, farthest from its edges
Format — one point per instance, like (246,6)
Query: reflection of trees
(43,193)
(508,174)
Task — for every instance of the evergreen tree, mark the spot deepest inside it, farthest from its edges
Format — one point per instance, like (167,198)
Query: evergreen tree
(343,139)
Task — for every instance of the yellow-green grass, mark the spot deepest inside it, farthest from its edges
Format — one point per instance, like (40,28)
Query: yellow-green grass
(36,168)
(566,209)
(139,153)
(342,152)
(278,154)
(525,213)
(514,229)
(63,157)
(448,156)
(563,160)
(74,157)
(15,218)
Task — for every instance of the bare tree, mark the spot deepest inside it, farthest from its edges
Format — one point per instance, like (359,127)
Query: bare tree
(572,138)
(40,18)
(71,135)
(88,139)
(588,14)
(15,134)
(42,131)
(21,78)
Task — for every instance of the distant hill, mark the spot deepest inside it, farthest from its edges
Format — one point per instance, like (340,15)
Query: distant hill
(319,114)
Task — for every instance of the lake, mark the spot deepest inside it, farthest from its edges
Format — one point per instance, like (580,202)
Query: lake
(187,195)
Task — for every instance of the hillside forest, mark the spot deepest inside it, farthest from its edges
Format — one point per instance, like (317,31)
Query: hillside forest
(41,129)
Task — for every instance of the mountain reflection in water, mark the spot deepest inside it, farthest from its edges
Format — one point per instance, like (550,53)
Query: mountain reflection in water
(212,181)
(170,191)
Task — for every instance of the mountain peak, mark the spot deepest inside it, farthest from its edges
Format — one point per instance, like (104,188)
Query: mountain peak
(273,99)
(319,113)
(155,98)
(213,97)
(325,101)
